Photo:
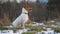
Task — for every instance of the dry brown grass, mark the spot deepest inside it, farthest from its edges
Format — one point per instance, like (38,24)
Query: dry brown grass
(5,20)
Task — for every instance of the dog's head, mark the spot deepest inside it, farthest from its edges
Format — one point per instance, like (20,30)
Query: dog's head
(28,8)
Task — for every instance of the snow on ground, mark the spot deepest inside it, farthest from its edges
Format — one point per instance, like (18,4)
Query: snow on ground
(48,30)
(11,31)
(6,31)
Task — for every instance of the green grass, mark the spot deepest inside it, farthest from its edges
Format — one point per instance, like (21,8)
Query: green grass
(28,33)
(1,28)
(35,28)
(56,29)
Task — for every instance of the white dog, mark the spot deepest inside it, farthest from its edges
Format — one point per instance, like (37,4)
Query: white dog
(23,18)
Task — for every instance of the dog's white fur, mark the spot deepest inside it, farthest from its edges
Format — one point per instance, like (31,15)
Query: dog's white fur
(21,19)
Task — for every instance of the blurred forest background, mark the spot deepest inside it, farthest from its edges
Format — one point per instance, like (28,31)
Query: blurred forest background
(41,11)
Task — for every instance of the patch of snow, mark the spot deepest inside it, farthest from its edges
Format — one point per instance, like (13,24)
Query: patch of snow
(7,32)
(37,24)
(21,31)
(53,25)
(52,21)
(38,33)
(57,22)
(48,31)
(58,33)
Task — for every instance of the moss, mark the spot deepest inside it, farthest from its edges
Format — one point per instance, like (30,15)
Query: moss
(36,28)
(28,33)
(57,29)
(1,28)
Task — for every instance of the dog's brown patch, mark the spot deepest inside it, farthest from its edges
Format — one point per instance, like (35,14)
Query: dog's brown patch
(27,7)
